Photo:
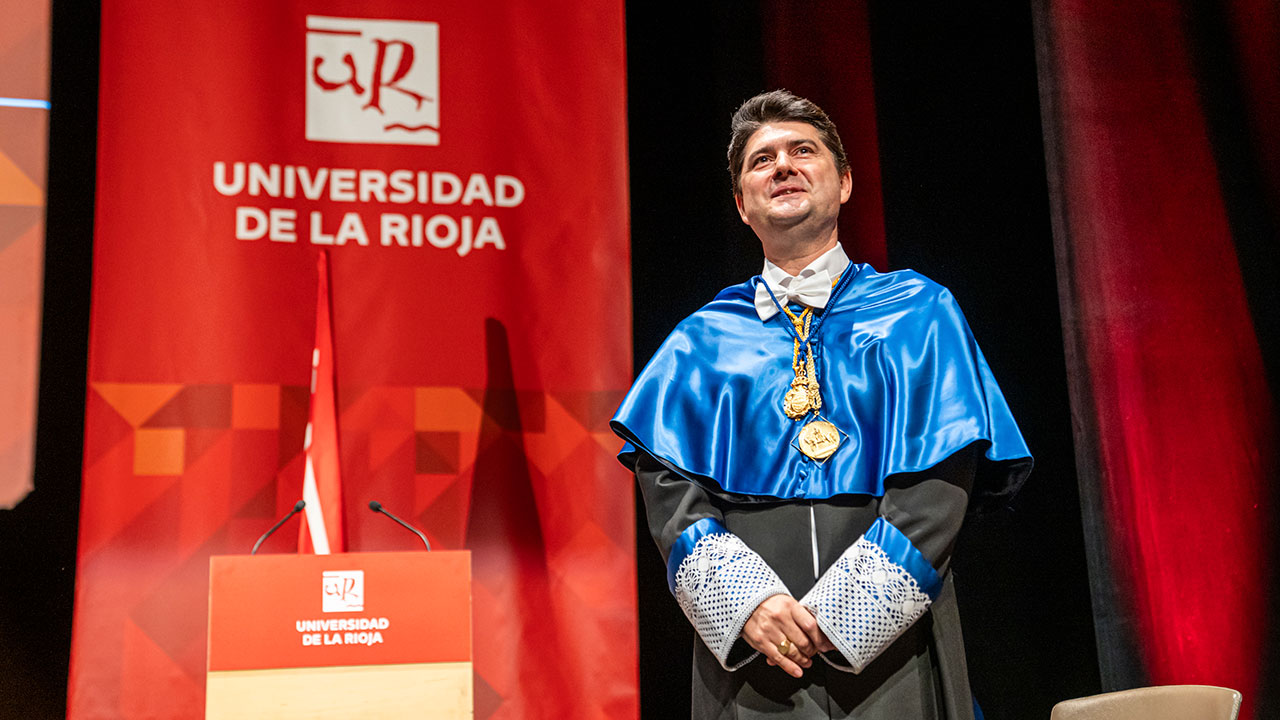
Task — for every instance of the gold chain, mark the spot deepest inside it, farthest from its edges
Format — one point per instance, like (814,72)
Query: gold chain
(801,324)
(819,438)
(805,395)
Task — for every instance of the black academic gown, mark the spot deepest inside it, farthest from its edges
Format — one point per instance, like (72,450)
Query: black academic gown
(920,675)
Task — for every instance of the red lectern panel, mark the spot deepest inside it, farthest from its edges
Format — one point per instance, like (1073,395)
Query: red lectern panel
(286,632)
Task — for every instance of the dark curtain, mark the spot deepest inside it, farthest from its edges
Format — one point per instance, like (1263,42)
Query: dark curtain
(1159,122)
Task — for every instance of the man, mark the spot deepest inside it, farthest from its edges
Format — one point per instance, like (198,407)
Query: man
(807,445)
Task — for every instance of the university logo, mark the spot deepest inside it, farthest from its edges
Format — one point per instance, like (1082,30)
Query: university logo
(373,81)
(343,591)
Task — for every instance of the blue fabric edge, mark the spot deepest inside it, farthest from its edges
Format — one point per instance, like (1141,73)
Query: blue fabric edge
(900,550)
(632,444)
(684,545)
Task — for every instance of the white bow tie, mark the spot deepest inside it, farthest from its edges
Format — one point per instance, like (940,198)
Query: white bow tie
(812,291)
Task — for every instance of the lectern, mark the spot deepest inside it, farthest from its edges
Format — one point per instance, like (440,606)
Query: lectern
(355,635)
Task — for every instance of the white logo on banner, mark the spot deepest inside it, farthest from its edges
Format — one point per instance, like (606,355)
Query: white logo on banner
(343,591)
(370,81)
(373,81)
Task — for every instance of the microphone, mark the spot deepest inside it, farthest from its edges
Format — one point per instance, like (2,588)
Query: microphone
(297,508)
(376,506)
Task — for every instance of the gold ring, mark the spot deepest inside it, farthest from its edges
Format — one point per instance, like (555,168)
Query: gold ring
(784,647)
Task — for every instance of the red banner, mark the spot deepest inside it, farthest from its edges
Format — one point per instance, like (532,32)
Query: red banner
(24,126)
(466,169)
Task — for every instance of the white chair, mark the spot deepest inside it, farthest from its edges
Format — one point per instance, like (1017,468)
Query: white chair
(1166,702)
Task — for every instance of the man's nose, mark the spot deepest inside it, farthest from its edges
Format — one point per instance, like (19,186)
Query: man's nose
(782,165)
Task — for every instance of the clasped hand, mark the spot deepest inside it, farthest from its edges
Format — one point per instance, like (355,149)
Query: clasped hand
(781,618)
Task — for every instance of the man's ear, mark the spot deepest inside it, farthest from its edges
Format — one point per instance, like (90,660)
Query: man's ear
(846,186)
(737,201)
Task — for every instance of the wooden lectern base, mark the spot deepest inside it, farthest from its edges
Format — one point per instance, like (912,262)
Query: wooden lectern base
(441,690)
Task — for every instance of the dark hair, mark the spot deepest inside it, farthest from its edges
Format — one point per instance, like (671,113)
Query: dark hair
(778,106)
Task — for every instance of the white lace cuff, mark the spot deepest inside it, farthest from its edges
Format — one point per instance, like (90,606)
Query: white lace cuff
(718,584)
(866,599)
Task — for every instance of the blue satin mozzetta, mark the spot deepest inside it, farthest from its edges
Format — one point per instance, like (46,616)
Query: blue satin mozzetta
(903,553)
(901,375)
(684,545)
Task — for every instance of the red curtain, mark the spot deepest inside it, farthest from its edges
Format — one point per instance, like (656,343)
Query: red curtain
(465,166)
(827,59)
(1172,408)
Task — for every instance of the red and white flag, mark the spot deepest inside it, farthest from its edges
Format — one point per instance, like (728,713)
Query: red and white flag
(322,530)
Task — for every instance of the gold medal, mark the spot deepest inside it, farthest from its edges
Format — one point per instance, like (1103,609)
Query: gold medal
(819,439)
(797,401)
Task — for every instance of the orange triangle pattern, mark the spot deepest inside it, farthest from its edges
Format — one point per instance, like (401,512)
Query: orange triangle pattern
(444,409)
(15,187)
(136,402)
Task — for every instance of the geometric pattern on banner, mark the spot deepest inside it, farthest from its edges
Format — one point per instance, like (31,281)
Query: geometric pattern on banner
(526,480)
(23,141)
(15,187)
(436,452)
(23,135)
(17,223)
(21,257)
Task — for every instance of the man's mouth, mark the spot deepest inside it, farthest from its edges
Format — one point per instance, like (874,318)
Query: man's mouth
(786,190)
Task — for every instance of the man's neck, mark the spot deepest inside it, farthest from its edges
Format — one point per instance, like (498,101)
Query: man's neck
(793,258)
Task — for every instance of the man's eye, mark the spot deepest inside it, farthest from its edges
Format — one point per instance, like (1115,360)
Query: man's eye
(760,160)
(804,150)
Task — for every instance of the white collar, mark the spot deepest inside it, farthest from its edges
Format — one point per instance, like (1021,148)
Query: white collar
(810,287)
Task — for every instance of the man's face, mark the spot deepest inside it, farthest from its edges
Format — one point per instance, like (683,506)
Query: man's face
(789,177)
